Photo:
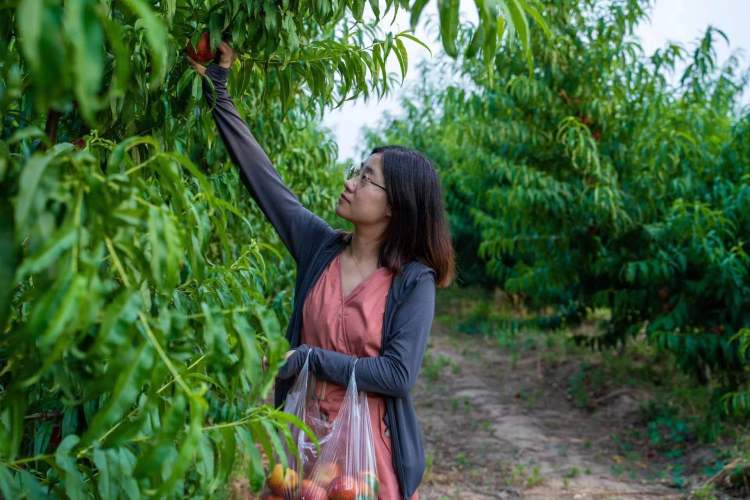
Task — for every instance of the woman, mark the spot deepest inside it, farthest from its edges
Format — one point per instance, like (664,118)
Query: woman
(366,295)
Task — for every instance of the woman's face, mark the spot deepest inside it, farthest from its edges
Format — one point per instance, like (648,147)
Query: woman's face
(363,201)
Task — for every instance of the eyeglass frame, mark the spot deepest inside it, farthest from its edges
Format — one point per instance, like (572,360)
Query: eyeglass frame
(358,171)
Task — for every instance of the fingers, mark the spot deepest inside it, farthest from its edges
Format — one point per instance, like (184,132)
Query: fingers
(228,54)
(224,47)
(198,67)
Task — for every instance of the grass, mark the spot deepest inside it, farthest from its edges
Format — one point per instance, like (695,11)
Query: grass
(433,365)
(522,475)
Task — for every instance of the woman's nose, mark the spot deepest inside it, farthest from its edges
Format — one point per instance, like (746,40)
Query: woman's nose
(351,185)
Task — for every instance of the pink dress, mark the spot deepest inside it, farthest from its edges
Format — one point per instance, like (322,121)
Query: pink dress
(352,325)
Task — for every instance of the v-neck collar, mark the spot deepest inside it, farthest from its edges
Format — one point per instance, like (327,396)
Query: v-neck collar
(354,290)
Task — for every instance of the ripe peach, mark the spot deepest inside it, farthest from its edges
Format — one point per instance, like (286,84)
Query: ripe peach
(342,488)
(202,53)
(326,472)
(370,484)
(282,480)
(312,491)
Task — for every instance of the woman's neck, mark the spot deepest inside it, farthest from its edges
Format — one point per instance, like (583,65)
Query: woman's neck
(365,249)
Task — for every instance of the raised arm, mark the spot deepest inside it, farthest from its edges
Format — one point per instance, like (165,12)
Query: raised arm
(395,371)
(299,228)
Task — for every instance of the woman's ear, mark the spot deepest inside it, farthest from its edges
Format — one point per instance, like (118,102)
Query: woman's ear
(388,210)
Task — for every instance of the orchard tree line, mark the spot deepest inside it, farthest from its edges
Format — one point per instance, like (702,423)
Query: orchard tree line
(603,179)
(143,295)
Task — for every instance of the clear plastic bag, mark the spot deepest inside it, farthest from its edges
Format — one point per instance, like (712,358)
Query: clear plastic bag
(285,482)
(346,468)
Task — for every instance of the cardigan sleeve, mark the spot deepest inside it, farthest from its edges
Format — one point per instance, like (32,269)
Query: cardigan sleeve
(395,371)
(297,226)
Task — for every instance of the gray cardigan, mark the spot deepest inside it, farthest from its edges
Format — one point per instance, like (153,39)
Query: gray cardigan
(313,243)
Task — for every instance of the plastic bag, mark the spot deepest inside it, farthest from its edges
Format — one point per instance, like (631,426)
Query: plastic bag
(285,482)
(346,468)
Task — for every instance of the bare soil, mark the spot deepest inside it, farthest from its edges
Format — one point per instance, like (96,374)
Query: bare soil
(498,429)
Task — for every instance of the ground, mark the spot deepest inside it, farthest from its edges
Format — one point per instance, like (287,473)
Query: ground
(509,412)
(495,429)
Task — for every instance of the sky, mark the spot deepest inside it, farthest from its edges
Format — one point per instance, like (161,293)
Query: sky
(682,21)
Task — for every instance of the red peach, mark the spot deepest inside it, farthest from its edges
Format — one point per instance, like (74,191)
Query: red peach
(342,488)
(202,53)
(312,491)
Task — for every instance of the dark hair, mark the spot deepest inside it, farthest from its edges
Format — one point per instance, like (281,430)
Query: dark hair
(418,228)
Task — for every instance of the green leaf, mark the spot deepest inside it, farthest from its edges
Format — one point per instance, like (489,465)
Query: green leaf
(54,318)
(115,35)
(416,12)
(297,422)
(256,474)
(278,446)
(156,34)
(130,378)
(7,483)
(84,33)
(65,459)
(537,16)
(375,6)
(64,238)
(448,14)
(205,459)
(415,39)
(8,258)
(117,322)
(188,445)
(357,8)
(251,359)
(24,133)
(521,25)
(117,156)
(403,58)
(43,47)
(42,433)
(227,451)
(12,422)
(31,177)
(115,468)
(477,39)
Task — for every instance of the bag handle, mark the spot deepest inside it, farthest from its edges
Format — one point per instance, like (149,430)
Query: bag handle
(352,377)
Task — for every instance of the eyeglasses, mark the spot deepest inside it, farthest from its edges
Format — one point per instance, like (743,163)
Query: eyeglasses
(355,170)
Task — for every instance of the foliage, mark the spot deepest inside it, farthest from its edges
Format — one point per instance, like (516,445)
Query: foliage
(141,317)
(599,184)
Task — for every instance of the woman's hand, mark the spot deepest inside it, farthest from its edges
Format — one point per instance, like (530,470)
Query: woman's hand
(294,361)
(286,356)
(227,55)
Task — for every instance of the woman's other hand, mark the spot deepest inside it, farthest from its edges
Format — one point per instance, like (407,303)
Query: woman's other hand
(227,55)
(286,357)
(294,360)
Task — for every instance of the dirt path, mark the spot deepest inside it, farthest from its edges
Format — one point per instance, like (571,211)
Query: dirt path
(492,431)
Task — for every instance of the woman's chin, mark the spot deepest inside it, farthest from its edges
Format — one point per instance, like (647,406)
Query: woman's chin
(341,212)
